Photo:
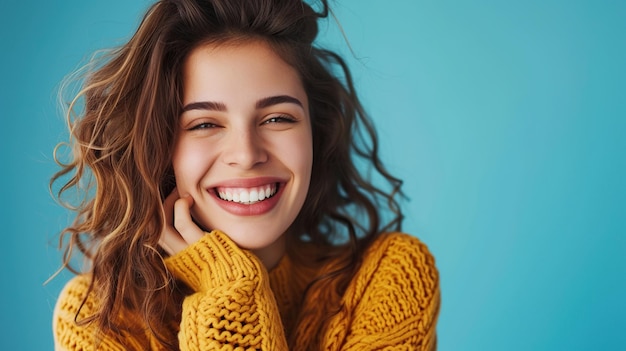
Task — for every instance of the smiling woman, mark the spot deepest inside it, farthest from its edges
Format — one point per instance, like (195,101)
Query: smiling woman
(223,206)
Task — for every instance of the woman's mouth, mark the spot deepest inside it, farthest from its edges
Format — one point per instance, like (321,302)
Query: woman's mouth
(247,196)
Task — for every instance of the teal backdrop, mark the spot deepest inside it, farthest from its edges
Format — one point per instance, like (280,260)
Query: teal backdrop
(506,119)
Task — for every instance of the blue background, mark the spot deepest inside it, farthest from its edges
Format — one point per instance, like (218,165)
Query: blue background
(506,120)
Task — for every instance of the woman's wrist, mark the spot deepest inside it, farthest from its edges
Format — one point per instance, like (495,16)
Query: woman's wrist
(212,261)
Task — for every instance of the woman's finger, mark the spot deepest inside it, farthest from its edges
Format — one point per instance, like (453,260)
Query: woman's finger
(168,207)
(183,222)
(170,240)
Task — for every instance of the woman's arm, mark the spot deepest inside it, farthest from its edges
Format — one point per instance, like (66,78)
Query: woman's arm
(232,305)
(70,334)
(393,301)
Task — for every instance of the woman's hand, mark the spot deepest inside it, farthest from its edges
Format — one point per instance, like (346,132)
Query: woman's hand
(180,231)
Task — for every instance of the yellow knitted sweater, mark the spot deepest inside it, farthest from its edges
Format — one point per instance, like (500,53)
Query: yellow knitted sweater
(391,303)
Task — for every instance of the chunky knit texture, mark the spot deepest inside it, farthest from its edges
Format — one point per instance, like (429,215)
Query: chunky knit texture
(392,302)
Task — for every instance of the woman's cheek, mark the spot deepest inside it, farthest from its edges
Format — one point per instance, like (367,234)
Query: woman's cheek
(188,162)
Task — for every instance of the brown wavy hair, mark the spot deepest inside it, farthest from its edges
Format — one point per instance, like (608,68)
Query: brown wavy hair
(123,122)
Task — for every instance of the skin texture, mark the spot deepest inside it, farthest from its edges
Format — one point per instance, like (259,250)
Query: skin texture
(245,124)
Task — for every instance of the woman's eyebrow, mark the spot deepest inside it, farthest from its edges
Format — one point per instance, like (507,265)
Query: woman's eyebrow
(220,106)
(205,105)
(278,99)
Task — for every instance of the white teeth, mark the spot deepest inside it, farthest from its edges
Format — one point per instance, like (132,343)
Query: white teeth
(247,196)
(254,196)
(244,196)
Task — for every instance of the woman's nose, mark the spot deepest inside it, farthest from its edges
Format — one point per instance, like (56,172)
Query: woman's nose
(244,149)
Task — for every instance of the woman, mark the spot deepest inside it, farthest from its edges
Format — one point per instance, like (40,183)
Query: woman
(222,208)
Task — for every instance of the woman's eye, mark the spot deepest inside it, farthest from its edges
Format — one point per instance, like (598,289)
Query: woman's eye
(205,125)
(279,119)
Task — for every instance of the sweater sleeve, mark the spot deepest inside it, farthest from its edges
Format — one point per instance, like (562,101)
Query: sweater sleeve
(72,333)
(393,303)
(232,305)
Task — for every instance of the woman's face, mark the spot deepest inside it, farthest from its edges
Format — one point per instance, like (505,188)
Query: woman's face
(244,147)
